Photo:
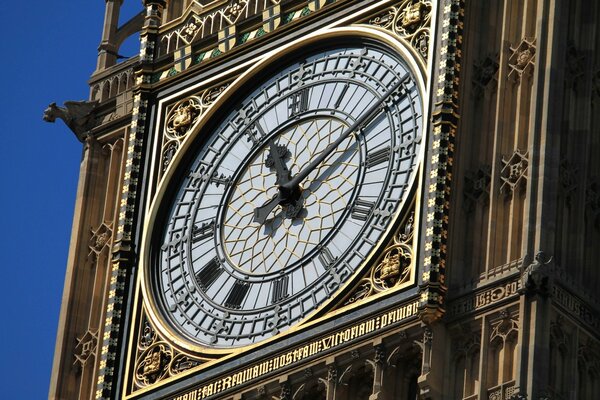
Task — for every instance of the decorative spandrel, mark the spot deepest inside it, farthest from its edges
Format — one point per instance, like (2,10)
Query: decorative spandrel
(156,359)
(411,20)
(394,269)
(181,118)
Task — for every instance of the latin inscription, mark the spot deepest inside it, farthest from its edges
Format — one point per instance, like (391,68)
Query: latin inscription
(321,345)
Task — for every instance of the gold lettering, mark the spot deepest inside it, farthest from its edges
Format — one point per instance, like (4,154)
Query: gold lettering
(361,329)
(383,320)
(305,352)
(228,382)
(346,335)
(377,322)
(314,348)
(326,342)
(288,359)
(255,372)
(353,331)
(370,326)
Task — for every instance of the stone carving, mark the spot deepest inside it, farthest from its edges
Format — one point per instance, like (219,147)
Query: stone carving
(535,276)
(200,25)
(514,172)
(393,269)
(79,116)
(410,20)
(504,329)
(522,60)
(485,73)
(596,85)
(477,187)
(568,180)
(592,202)
(100,238)
(575,65)
(86,347)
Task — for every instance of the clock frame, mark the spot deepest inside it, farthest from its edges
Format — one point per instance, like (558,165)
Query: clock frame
(208,122)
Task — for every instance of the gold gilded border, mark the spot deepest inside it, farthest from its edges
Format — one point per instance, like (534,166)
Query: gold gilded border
(418,69)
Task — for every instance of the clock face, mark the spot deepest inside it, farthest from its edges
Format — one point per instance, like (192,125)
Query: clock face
(285,197)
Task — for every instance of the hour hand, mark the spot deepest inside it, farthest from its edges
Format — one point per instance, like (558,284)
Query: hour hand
(278,153)
(262,213)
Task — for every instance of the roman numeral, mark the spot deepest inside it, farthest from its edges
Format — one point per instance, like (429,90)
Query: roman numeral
(236,295)
(175,245)
(202,176)
(298,102)
(378,157)
(204,231)
(326,258)
(280,289)
(182,299)
(209,274)
(341,96)
(361,209)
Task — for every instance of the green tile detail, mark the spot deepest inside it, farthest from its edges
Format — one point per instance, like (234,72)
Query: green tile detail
(287,18)
(156,77)
(172,72)
(215,52)
(260,31)
(305,11)
(243,38)
(198,59)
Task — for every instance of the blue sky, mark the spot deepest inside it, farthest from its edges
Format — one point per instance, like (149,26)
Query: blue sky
(48,52)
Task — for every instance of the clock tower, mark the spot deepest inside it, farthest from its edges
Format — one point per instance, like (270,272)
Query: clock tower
(336,199)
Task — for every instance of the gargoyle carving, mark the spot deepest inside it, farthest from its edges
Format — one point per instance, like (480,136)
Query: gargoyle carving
(79,116)
(535,276)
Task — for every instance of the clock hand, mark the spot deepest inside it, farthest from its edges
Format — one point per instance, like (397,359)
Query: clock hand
(371,111)
(261,213)
(286,189)
(276,158)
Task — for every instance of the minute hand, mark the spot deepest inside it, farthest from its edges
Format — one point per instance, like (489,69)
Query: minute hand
(300,176)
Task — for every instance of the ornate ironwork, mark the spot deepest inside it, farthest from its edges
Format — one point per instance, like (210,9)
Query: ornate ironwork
(156,359)
(392,270)
(411,20)
(181,118)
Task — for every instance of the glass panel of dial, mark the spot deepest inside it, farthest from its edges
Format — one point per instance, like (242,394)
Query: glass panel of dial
(224,280)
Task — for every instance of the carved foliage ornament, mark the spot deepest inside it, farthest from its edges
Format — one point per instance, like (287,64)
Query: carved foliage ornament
(485,74)
(477,187)
(410,20)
